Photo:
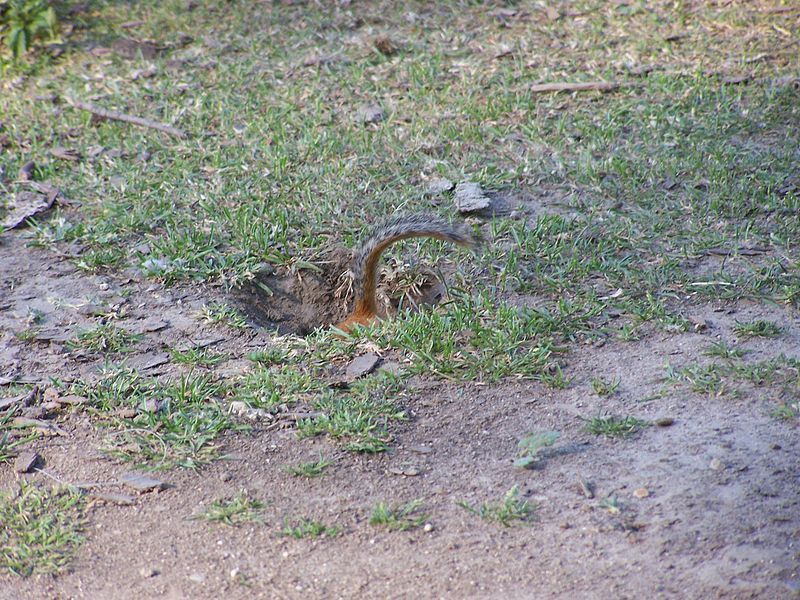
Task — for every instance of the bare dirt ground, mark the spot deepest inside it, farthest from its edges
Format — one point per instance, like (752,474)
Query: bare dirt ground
(720,517)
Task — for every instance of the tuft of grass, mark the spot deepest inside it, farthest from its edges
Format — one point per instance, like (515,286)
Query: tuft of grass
(106,338)
(269,356)
(530,446)
(507,511)
(308,528)
(629,333)
(102,258)
(222,314)
(34,317)
(602,387)
(198,357)
(721,350)
(242,508)
(41,529)
(705,379)
(400,517)
(787,412)
(612,505)
(309,469)
(758,329)
(614,427)
(282,385)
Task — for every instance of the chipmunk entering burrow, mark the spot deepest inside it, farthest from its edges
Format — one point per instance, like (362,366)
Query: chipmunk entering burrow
(365,266)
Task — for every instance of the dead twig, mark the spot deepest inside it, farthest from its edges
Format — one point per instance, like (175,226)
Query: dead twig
(118,116)
(602,86)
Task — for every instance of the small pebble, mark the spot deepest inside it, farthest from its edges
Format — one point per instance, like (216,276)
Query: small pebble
(664,421)
(147,572)
(25,462)
(428,527)
(716,464)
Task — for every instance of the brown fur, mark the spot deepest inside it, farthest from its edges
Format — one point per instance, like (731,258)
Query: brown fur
(365,270)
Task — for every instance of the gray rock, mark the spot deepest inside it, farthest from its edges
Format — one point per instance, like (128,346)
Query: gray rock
(140,482)
(362,365)
(470,197)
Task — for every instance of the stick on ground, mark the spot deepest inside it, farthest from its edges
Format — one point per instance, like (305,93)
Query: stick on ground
(603,86)
(118,116)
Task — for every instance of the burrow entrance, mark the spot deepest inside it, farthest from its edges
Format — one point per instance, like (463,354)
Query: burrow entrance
(301,301)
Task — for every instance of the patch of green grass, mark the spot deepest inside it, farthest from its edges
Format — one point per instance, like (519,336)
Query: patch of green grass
(480,338)
(400,517)
(24,21)
(530,446)
(614,427)
(781,370)
(41,529)
(787,412)
(308,528)
(159,425)
(270,387)
(198,357)
(106,338)
(717,379)
(758,329)
(269,356)
(27,335)
(220,313)
(315,468)
(704,379)
(358,416)
(233,511)
(509,510)
(102,258)
(602,387)
(34,317)
(721,350)
(628,333)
